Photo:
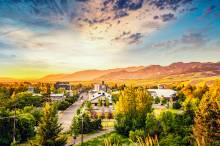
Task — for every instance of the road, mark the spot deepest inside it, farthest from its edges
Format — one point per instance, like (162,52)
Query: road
(65,117)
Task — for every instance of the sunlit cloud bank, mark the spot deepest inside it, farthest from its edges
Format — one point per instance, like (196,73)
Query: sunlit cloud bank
(40,37)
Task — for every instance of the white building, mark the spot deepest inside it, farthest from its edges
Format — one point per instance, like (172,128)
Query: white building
(100,87)
(166,93)
(30,89)
(57,97)
(95,96)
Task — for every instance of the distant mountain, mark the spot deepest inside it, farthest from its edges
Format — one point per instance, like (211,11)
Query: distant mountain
(86,75)
(149,72)
(5,79)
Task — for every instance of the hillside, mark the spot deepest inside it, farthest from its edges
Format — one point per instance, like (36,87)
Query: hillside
(149,72)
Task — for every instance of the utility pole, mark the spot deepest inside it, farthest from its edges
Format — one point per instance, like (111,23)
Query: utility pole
(82,132)
(14,128)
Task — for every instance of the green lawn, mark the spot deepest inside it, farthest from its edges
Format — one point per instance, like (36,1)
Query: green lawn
(157,112)
(124,141)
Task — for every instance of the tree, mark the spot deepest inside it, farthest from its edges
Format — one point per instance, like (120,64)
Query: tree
(49,128)
(6,128)
(88,124)
(107,103)
(157,100)
(131,109)
(99,102)
(88,105)
(25,126)
(152,125)
(207,125)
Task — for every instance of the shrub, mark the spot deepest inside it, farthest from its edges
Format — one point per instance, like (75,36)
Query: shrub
(176,105)
(157,100)
(164,101)
(63,105)
(113,140)
(134,135)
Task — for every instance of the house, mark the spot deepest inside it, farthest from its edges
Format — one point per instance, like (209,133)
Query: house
(94,97)
(64,85)
(166,93)
(57,97)
(30,89)
(100,87)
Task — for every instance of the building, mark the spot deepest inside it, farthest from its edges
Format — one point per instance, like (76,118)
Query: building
(30,89)
(95,96)
(64,85)
(166,93)
(100,87)
(57,97)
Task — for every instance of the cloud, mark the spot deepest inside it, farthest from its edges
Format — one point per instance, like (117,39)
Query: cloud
(192,40)
(135,38)
(7,56)
(95,19)
(128,4)
(209,10)
(167,17)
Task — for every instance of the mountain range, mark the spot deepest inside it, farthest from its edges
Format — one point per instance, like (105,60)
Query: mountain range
(174,70)
(207,69)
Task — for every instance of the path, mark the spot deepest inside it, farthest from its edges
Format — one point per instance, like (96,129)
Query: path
(87,137)
(65,117)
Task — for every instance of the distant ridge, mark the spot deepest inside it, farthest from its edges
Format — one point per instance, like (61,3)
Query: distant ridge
(207,69)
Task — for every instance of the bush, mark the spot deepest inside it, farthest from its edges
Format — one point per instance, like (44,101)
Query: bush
(176,105)
(113,139)
(164,101)
(134,135)
(71,99)
(26,99)
(157,100)
(88,124)
(63,105)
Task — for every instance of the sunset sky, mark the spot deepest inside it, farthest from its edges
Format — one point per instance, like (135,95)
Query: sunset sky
(40,37)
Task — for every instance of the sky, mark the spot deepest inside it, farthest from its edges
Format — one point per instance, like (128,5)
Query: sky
(40,37)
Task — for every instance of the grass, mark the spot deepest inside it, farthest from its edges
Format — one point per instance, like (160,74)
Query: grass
(99,140)
(108,123)
(157,112)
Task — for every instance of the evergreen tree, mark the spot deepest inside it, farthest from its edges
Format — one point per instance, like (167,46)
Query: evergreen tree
(50,129)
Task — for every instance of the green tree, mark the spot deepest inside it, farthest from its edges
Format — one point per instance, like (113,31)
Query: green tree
(6,128)
(88,124)
(99,102)
(152,125)
(25,126)
(88,105)
(50,129)
(107,102)
(157,100)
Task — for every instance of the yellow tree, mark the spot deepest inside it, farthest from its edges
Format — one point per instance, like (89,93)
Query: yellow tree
(131,109)
(207,122)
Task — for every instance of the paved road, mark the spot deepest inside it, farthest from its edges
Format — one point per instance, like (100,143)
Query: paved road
(65,117)
(89,137)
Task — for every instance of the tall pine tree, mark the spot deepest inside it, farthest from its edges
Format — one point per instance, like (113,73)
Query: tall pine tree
(50,129)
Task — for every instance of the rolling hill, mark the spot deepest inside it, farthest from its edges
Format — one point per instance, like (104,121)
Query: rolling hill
(149,72)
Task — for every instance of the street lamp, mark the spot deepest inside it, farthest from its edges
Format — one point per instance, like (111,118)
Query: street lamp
(81,114)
